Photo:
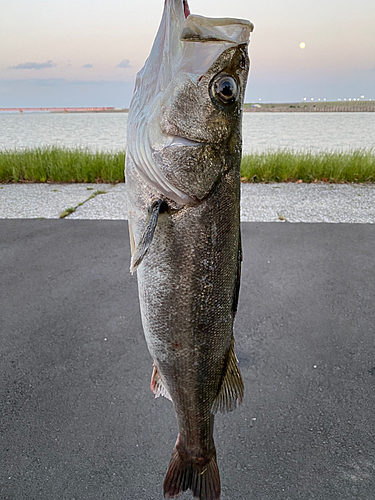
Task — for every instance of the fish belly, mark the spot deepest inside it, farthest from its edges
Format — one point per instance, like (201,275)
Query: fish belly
(186,285)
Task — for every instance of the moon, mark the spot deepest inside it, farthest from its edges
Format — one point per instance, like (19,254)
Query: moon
(302,45)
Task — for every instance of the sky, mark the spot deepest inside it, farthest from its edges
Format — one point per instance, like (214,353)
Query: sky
(88,52)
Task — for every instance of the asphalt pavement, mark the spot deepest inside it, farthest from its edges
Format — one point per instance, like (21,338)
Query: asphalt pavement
(78,420)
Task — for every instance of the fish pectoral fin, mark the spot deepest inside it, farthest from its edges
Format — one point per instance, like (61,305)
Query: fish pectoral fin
(148,234)
(157,386)
(232,388)
(131,238)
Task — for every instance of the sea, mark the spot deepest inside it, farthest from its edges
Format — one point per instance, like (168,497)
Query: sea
(261,131)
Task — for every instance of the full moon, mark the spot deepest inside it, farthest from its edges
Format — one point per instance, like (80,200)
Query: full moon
(302,45)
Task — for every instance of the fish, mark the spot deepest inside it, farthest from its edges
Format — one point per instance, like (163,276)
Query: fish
(182,176)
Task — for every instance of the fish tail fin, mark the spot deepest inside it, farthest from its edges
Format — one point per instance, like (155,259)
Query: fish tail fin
(200,475)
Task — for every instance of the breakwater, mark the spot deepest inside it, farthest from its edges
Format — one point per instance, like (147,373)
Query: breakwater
(312,107)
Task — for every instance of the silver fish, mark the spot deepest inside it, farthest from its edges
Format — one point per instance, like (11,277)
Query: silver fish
(183,186)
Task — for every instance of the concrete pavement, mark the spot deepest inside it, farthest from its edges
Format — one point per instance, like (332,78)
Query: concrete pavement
(78,420)
(260,202)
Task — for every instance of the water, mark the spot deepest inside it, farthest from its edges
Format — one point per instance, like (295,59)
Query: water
(308,131)
(102,131)
(261,131)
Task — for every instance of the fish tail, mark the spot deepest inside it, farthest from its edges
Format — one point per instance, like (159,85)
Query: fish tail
(200,475)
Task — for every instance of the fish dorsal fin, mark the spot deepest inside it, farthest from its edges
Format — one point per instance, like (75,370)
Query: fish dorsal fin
(157,386)
(236,291)
(148,234)
(232,388)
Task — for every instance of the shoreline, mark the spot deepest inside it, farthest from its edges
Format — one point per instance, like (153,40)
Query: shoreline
(312,107)
(289,107)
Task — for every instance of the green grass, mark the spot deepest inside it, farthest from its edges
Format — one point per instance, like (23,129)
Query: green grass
(67,212)
(55,164)
(289,166)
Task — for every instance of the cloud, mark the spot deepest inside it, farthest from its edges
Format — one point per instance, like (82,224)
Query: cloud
(87,66)
(124,64)
(34,65)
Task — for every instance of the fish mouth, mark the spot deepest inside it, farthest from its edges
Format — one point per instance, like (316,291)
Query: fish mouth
(165,141)
(221,29)
(178,141)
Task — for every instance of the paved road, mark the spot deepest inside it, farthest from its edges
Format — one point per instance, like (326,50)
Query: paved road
(78,420)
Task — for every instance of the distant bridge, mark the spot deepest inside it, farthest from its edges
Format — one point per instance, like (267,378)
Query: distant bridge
(54,110)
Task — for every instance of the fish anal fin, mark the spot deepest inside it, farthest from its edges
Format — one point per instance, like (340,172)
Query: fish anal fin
(144,243)
(232,388)
(157,386)
(200,475)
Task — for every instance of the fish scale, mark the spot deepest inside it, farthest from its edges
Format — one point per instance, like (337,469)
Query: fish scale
(183,187)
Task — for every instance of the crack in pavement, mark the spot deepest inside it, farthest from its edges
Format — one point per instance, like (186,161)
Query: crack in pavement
(71,210)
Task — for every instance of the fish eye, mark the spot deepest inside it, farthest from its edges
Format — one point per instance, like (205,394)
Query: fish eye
(225,88)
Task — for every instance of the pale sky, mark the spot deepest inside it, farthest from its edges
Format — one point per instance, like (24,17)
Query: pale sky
(87,52)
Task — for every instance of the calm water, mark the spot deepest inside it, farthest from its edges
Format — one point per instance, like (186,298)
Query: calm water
(261,131)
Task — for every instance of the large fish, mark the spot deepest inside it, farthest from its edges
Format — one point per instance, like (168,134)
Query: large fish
(183,185)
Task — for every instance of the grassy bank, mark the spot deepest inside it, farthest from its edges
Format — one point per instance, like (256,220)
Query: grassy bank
(57,164)
(289,166)
(80,165)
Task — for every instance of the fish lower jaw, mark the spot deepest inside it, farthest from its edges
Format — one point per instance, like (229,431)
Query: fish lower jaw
(177,141)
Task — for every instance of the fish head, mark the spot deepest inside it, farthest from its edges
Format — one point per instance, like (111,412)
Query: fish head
(184,125)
